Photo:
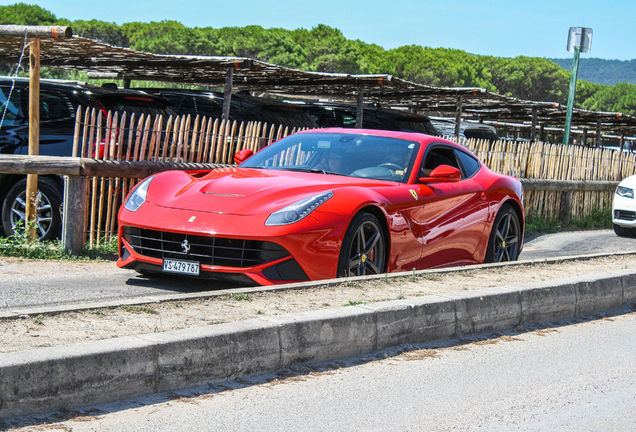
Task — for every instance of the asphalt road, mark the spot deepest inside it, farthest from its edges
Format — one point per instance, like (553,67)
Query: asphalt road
(573,376)
(62,283)
(575,243)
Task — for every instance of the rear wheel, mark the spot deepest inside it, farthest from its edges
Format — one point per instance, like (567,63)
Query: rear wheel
(48,214)
(503,244)
(363,250)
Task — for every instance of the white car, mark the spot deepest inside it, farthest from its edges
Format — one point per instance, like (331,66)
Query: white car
(624,208)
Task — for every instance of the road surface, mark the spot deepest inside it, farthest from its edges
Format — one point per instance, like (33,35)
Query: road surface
(63,282)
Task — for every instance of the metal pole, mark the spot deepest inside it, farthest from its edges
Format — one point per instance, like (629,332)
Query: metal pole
(574,75)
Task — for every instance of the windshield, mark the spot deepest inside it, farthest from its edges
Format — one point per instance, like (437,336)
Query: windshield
(353,155)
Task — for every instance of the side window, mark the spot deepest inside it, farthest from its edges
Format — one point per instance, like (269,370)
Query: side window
(10,109)
(439,156)
(53,106)
(470,164)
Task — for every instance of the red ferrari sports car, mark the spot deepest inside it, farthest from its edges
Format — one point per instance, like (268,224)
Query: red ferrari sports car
(321,204)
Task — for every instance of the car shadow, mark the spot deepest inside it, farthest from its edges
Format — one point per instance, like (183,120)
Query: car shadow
(180,284)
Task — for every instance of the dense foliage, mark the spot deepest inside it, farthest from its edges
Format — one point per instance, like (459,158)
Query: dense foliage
(325,49)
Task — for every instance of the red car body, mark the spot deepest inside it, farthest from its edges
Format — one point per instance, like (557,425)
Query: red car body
(229,224)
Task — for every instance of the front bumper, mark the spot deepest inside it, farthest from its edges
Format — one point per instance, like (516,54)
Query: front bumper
(624,211)
(249,251)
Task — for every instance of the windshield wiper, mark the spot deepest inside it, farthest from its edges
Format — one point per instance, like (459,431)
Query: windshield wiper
(310,170)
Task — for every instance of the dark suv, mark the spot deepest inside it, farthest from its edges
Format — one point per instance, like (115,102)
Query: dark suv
(333,114)
(58,104)
(243,107)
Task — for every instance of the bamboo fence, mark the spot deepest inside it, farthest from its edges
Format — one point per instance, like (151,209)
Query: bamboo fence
(113,136)
(147,138)
(540,160)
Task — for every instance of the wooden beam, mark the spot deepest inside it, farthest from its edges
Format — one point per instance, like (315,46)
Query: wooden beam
(458,116)
(227,94)
(360,108)
(533,129)
(30,31)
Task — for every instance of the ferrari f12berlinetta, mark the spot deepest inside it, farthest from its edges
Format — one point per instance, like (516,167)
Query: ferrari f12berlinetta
(321,204)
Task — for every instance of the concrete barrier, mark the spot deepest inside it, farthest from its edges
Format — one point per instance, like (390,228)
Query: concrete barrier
(89,373)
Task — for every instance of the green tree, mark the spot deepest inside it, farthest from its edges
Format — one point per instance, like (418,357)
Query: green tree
(24,14)
(617,98)
(109,33)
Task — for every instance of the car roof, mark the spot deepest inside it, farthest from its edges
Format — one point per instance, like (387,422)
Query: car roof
(86,88)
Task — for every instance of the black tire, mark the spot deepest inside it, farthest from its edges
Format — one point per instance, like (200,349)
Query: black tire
(505,237)
(363,250)
(624,232)
(49,218)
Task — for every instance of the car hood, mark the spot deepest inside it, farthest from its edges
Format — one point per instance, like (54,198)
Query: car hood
(244,191)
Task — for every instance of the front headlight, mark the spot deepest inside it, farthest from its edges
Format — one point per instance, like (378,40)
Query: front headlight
(625,192)
(297,211)
(138,196)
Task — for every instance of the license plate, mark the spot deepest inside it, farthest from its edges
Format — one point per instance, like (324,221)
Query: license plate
(182,267)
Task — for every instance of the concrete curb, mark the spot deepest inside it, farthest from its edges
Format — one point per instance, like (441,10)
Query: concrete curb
(47,379)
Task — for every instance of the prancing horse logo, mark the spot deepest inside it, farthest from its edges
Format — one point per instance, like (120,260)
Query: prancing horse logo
(185,246)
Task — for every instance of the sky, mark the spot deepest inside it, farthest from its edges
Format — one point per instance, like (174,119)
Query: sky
(502,28)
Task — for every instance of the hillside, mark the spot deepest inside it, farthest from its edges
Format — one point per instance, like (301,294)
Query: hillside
(601,71)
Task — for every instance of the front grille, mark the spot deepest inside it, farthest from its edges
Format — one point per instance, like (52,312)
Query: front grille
(625,215)
(216,251)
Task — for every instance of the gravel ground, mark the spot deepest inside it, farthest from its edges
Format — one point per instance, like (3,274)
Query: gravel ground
(29,332)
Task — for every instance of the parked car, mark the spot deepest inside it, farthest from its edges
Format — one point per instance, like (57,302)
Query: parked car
(58,104)
(243,107)
(624,208)
(446,127)
(333,114)
(321,204)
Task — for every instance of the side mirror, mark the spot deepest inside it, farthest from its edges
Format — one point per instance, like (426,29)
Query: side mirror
(443,174)
(242,155)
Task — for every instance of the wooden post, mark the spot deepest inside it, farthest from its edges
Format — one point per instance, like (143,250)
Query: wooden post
(541,133)
(34,137)
(458,116)
(360,107)
(533,129)
(622,142)
(584,139)
(126,82)
(227,95)
(565,208)
(598,133)
(73,236)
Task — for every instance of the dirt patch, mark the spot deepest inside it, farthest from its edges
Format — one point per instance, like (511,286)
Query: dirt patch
(30,332)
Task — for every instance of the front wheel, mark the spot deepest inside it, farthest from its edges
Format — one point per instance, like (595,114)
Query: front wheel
(363,250)
(505,237)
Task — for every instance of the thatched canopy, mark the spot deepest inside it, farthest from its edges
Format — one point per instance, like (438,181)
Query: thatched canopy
(86,55)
